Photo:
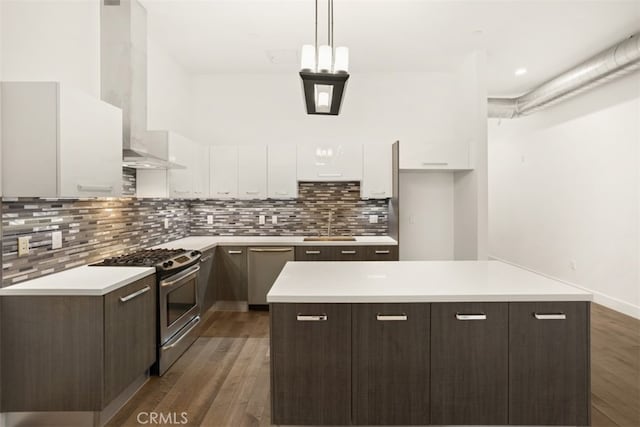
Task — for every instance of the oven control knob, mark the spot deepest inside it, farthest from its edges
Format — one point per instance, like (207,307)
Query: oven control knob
(165,264)
(194,253)
(170,263)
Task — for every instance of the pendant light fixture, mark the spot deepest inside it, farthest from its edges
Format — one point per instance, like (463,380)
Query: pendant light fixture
(324,72)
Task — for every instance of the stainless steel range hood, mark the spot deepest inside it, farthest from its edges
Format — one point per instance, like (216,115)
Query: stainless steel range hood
(123,76)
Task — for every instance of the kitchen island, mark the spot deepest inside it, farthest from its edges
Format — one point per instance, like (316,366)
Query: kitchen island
(433,342)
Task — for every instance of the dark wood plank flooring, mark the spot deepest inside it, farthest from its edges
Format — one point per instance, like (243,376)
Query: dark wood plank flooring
(223,379)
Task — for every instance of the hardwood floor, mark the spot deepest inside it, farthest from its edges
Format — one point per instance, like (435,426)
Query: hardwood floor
(223,379)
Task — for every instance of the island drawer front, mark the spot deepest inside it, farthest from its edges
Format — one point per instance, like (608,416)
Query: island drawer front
(382,253)
(314,253)
(469,354)
(349,253)
(549,364)
(311,364)
(391,364)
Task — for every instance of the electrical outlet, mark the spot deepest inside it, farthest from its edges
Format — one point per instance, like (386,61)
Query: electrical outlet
(274,219)
(209,219)
(373,219)
(166,223)
(56,240)
(23,245)
(261,219)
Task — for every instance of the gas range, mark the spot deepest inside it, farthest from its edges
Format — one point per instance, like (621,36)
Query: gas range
(165,261)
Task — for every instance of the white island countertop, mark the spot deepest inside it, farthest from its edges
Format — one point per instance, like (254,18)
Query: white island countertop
(203,243)
(79,281)
(416,281)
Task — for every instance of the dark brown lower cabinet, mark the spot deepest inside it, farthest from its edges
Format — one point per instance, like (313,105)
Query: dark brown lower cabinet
(231,273)
(549,381)
(391,364)
(469,370)
(311,363)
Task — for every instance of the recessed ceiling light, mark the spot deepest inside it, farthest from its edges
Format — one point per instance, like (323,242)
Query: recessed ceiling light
(520,71)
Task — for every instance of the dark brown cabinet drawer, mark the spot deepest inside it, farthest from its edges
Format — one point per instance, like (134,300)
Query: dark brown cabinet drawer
(391,364)
(314,253)
(231,273)
(129,334)
(469,353)
(381,253)
(349,253)
(549,363)
(311,363)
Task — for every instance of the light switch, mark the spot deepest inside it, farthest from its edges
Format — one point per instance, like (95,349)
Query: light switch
(166,223)
(261,219)
(23,245)
(274,219)
(373,219)
(56,240)
(209,219)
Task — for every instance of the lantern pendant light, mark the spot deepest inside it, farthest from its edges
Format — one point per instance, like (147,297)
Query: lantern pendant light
(324,72)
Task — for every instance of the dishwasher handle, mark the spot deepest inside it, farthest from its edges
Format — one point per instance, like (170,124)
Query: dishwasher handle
(270,249)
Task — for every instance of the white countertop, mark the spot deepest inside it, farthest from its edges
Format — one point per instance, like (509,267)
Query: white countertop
(415,281)
(79,281)
(203,243)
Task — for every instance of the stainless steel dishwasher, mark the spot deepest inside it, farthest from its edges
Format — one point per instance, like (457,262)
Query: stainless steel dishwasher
(264,266)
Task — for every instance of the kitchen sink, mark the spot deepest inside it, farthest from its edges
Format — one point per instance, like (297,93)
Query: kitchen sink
(330,239)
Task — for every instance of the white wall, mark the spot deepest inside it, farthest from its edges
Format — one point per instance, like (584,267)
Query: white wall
(564,186)
(52,40)
(169,105)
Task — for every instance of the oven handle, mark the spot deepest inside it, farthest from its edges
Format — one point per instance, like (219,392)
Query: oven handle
(176,342)
(181,276)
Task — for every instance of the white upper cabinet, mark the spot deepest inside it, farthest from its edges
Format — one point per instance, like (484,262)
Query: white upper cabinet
(252,172)
(377,171)
(329,162)
(452,154)
(224,172)
(59,142)
(181,181)
(282,172)
(201,172)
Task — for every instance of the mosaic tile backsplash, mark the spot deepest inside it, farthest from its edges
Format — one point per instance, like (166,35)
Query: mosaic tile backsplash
(306,216)
(93,229)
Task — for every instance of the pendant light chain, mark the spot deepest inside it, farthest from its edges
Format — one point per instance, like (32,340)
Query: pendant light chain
(316,39)
(331,17)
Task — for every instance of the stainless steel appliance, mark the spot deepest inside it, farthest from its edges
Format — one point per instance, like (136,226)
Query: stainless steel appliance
(178,298)
(264,266)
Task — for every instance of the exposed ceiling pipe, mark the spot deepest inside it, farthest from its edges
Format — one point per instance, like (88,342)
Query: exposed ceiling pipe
(618,60)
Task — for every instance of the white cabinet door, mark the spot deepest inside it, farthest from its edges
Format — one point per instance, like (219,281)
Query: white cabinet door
(330,162)
(68,142)
(451,154)
(282,180)
(377,172)
(252,172)
(90,146)
(224,172)
(182,152)
(201,171)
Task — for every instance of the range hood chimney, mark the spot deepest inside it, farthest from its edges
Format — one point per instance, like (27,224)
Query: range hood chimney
(123,82)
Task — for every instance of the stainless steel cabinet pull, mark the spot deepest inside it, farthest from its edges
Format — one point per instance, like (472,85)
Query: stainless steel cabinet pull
(550,316)
(329,175)
(434,163)
(135,294)
(252,192)
(391,317)
(480,316)
(173,344)
(312,252)
(235,252)
(271,250)
(348,252)
(101,188)
(378,193)
(282,193)
(382,252)
(223,192)
(312,317)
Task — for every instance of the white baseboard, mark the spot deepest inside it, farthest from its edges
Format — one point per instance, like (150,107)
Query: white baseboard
(598,297)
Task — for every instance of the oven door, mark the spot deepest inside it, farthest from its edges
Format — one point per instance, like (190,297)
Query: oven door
(179,302)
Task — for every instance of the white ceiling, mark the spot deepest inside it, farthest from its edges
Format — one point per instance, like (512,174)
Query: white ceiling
(545,36)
